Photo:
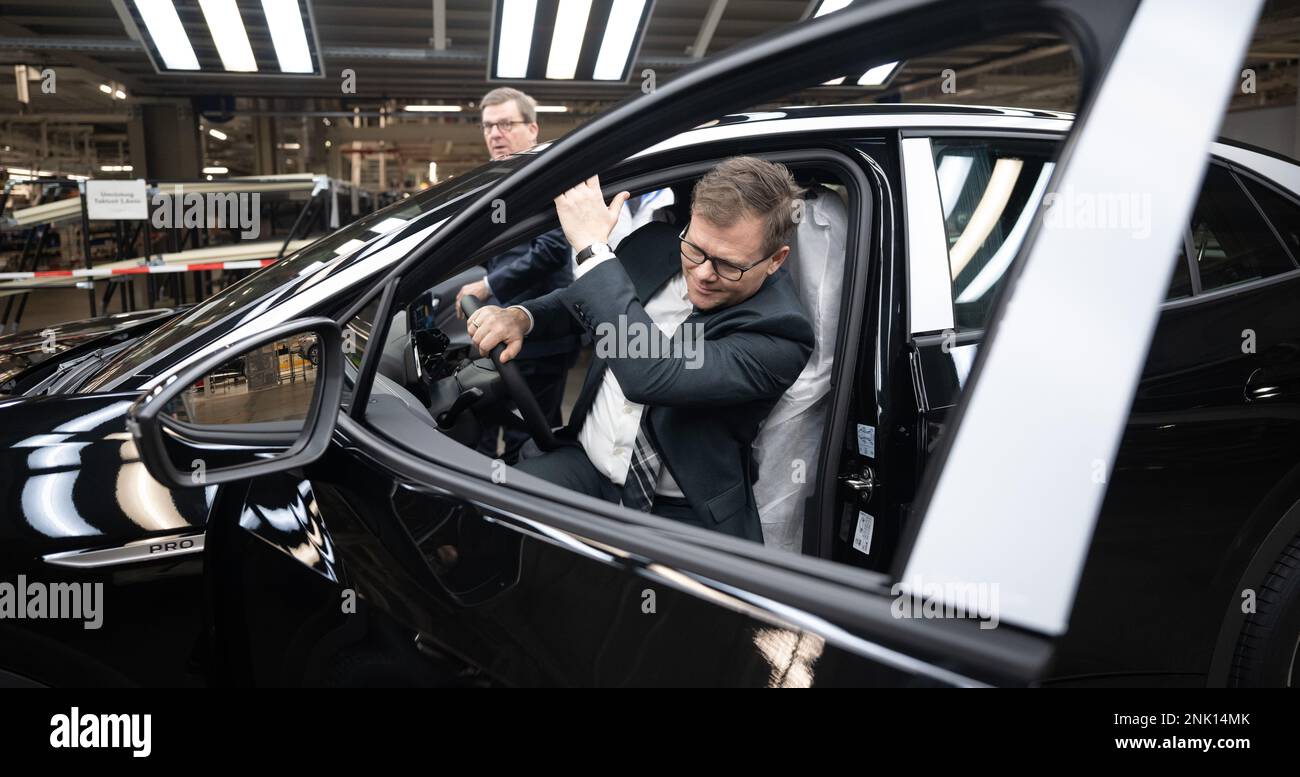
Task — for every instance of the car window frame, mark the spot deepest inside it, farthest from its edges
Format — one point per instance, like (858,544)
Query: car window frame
(663,170)
(1198,295)
(923,274)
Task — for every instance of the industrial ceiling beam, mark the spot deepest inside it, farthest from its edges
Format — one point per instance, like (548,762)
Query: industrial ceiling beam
(710,25)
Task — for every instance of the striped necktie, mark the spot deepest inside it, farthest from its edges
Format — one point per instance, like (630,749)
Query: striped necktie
(643,474)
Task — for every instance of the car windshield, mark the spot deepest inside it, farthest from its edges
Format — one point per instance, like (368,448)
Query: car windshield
(241,297)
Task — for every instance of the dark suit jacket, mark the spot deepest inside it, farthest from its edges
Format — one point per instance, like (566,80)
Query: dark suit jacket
(703,420)
(527,271)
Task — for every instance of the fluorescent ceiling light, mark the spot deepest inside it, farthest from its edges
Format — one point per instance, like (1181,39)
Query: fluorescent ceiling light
(992,204)
(953,172)
(288,35)
(433,108)
(227,28)
(566,41)
(878,74)
(218,134)
(105,88)
(620,32)
(216,170)
(516,42)
(116,168)
(290,146)
(168,34)
(992,272)
(831,6)
(552,109)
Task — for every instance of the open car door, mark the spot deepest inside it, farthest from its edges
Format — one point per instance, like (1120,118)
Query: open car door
(1010,500)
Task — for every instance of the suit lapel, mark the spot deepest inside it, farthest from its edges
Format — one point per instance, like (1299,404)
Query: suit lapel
(649,273)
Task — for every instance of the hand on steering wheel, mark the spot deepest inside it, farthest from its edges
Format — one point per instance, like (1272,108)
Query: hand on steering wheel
(538,426)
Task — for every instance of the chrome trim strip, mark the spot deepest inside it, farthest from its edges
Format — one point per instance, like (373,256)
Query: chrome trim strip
(168,547)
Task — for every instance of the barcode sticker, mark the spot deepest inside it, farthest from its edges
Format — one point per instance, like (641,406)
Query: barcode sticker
(862,537)
(867,440)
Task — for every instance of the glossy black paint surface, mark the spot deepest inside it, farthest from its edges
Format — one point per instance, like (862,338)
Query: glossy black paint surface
(20,352)
(70,479)
(449,596)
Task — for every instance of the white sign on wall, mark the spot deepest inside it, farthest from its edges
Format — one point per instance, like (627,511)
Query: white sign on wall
(117,199)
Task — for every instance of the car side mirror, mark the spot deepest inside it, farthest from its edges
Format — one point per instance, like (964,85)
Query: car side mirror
(262,406)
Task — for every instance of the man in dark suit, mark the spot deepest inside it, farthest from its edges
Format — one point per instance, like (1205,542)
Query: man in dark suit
(698,333)
(524,272)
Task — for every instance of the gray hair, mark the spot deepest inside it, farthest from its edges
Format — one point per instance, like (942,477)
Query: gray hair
(504,94)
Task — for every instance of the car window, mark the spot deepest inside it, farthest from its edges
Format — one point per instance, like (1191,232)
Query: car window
(1232,242)
(1281,211)
(356,336)
(989,190)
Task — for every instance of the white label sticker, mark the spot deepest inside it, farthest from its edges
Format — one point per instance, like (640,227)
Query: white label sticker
(862,537)
(867,440)
(108,199)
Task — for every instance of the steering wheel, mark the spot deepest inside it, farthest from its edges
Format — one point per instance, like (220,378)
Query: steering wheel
(517,387)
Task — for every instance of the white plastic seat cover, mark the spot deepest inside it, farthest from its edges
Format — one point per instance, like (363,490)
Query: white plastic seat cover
(788,446)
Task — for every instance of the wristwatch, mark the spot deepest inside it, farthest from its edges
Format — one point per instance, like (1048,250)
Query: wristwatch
(593,250)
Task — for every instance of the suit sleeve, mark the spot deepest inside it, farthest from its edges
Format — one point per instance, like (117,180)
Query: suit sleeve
(551,318)
(548,253)
(758,360)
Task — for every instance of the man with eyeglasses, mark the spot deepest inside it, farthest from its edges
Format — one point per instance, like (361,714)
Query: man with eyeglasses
(524,272)
(654,429)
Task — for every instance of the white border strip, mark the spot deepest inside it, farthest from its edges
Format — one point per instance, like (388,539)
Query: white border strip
(1018,496)
(929,281)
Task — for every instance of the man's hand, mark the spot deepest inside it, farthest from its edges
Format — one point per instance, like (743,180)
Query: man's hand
(491,325)
(477,288)
(585,217)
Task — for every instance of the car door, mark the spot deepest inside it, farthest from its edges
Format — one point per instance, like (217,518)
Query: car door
(561,588)
(1207,443)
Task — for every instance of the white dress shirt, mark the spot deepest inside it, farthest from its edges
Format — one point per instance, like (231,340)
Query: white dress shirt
(609,431)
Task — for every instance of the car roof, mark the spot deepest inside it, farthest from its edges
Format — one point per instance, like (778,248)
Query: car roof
(1281,170)
(829,118)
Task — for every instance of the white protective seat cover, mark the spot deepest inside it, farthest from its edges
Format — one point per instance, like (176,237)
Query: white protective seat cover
(788,446)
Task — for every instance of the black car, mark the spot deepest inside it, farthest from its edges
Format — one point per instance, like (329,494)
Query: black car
(972,407)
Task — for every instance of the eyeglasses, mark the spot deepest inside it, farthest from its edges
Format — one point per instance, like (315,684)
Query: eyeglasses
(505,125)
(725,270)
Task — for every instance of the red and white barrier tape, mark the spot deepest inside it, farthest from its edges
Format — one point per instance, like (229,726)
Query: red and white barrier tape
(250,264)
